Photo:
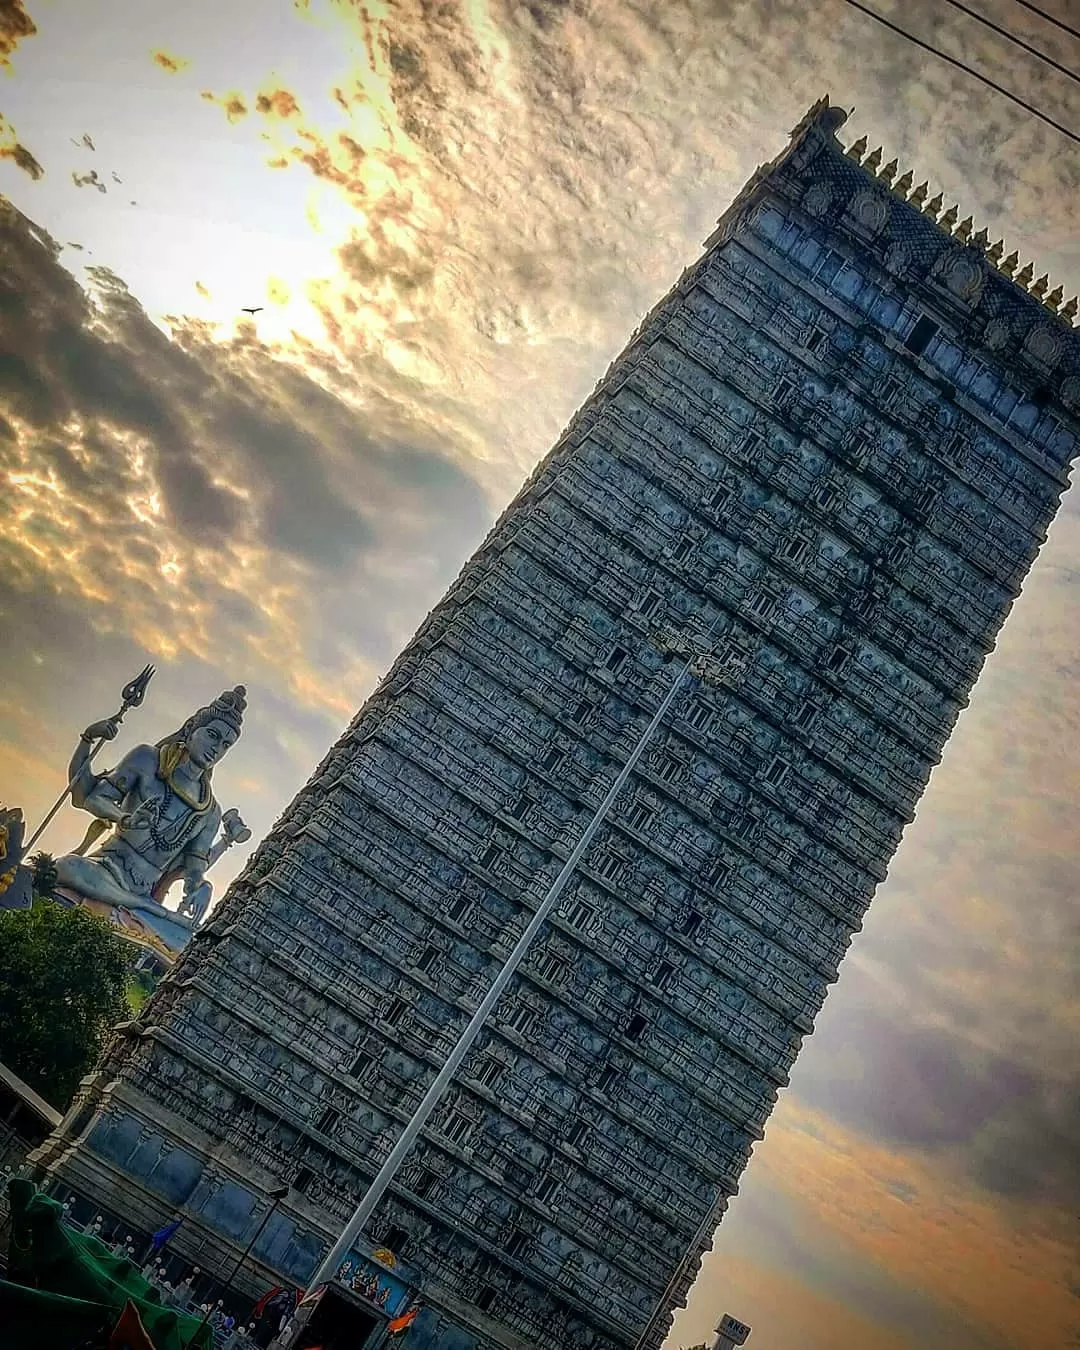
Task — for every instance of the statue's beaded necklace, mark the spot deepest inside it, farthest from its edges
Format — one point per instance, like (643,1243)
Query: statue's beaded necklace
(155,808)
(163,839)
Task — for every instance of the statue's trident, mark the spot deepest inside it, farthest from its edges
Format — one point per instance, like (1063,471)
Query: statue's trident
(132,695)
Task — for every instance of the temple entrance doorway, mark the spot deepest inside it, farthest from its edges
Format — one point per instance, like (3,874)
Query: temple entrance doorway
(339,1323)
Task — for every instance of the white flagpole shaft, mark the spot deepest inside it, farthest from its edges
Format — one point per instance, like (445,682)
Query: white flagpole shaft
(332,1262)
(710,1221)
(59,802)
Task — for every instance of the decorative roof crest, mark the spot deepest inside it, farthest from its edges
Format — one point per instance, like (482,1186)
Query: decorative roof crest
(962,232)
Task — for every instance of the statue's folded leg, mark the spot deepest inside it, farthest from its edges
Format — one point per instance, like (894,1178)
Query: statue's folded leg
(88,877)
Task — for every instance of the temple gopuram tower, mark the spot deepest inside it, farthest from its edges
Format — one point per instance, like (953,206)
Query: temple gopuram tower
(836,445)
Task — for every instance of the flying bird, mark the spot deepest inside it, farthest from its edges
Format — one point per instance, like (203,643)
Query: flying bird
(257,310)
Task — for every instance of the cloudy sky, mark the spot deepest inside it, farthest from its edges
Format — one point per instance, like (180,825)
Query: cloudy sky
(453,213)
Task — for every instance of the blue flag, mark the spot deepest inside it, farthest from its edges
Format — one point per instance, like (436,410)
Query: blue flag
(164,1234)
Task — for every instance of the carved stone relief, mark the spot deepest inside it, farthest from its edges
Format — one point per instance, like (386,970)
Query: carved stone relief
(1070,393)
(898,258)
(869,210)
(415,809)
(817,199)
(1043,345)
(996,335)
(961,274)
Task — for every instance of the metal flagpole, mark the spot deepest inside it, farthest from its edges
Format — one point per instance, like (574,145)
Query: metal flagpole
(277,1195)
(132,695)
(711,1220)
(364,1210)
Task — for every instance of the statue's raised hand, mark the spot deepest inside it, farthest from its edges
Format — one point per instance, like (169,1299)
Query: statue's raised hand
(102,731)
(233,827)
(144,814)
(233,831)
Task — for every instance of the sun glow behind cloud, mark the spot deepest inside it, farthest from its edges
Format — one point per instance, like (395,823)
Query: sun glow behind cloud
(207,206)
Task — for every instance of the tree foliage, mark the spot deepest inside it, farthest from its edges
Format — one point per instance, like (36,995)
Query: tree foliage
(63,975)
(140,985)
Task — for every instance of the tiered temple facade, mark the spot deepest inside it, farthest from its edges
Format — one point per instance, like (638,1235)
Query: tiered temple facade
(837,443)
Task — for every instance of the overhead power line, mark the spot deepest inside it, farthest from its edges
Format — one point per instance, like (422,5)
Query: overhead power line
(1050,18)
(968,70)
(1011,37)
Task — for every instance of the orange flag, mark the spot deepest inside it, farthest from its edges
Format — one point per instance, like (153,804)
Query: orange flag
(129,1333)
(403,1322)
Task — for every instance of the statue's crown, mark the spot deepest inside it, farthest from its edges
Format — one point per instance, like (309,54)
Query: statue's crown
(229,708)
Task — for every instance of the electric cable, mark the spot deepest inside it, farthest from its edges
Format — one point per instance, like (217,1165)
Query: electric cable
(1050,18)
(968,70)
(1011,37)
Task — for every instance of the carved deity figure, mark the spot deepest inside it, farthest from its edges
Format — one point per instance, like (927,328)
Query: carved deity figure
(16,889)
(160,820)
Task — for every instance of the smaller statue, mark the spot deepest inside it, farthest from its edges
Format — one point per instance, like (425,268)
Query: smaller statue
(159,820)
(16,881)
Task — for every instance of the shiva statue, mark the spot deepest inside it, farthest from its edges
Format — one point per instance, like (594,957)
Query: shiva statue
(160,820)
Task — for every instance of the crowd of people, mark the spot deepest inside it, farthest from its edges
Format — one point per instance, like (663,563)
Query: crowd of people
(179,1288)
(230,1333)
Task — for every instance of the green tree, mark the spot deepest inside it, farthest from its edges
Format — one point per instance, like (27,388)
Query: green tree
(140,985)
(63,976)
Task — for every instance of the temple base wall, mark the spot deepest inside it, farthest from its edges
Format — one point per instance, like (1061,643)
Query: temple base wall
(141,1166)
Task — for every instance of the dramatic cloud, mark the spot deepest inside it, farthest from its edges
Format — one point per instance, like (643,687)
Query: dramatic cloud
(15,25)
(205,500)
(453,216)
(12,149)
(919,1258)
(170,63)
(22,157)
(233,104)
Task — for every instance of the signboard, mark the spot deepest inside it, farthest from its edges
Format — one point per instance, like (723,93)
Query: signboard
(732,1330)
(374,1284)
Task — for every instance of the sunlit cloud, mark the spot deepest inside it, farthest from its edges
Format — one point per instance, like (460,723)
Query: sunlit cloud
(172,64)
(233,105)
(15,25)
(14,150)
(922,1253)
